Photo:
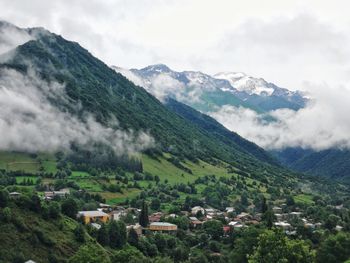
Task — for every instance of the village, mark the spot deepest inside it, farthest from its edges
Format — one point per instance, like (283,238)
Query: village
(196,217)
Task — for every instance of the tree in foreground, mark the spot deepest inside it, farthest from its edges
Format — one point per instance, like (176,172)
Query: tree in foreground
(91,253)
(117,234)
(274,246)
(70,208)
(214,229)
(129,254)
(4,197)
(335,248)
(103,235)
(245,244)
(269,218)
(79,233)
(133,238)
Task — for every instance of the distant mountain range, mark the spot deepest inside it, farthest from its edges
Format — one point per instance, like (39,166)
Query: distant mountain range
(207,93)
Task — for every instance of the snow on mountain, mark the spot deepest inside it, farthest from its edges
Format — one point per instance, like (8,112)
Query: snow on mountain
(233,88)
(248,84)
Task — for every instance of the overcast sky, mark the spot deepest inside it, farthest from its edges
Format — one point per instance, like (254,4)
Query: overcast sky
(287,42)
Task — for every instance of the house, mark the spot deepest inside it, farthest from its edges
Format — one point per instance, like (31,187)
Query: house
(257,216)
(210,211)
(252,222)
(137,227)
(93,216)
(277,210)
(339,207)
(229,209)
(197,209)
(318,225)
(117,215)
(105,207)
(48,195)
(208,217)
(279,217)
(14,195)
(338,228)
(283,225)
(162,226)
(195,222)
(294,214)
(155,217)
(309,225)
(96,226)
(233,223)
(243,217)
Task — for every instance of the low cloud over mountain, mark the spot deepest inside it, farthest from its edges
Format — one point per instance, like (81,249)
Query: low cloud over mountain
(290,120)
(29,121)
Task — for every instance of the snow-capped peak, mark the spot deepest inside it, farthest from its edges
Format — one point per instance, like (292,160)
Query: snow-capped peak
(248,84)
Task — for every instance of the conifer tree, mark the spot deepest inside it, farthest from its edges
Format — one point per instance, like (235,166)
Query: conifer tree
(143,219)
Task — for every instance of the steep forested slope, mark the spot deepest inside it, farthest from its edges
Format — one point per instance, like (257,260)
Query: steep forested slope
(105,93)
(333,163)
(218,132)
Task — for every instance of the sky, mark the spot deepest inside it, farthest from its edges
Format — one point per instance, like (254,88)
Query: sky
(291,43)
(298,45)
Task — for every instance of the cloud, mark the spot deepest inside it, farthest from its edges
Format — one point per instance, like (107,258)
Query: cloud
(287,42)
(164,85)
(323,124)
(11,37)
(29,122)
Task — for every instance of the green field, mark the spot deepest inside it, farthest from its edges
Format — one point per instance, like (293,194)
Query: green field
(167,171)
(90,185)
(30,163)
(304,199)
(20,179)
(79,174)
(115,198)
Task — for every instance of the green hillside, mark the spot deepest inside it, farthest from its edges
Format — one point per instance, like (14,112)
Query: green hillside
(103,92)
(219,132)
(28,235)
(332,163)
(195,162)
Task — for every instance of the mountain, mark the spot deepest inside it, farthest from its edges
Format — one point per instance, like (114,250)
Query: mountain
(333,163)
(211,126)
(99,90)
(208,93)
(196,89)
(54,93)
(262,94)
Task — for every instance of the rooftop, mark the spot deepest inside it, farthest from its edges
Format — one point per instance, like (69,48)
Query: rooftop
(161,224)
(92,213)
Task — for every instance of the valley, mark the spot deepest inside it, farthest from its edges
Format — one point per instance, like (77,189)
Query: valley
(94,168)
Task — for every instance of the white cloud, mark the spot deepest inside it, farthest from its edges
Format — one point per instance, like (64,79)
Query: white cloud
(288,42)
(323,124)
(29,122)
(11,37)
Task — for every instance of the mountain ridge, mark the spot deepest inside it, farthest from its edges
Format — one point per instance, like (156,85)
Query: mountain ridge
(102,92)
(244,94)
